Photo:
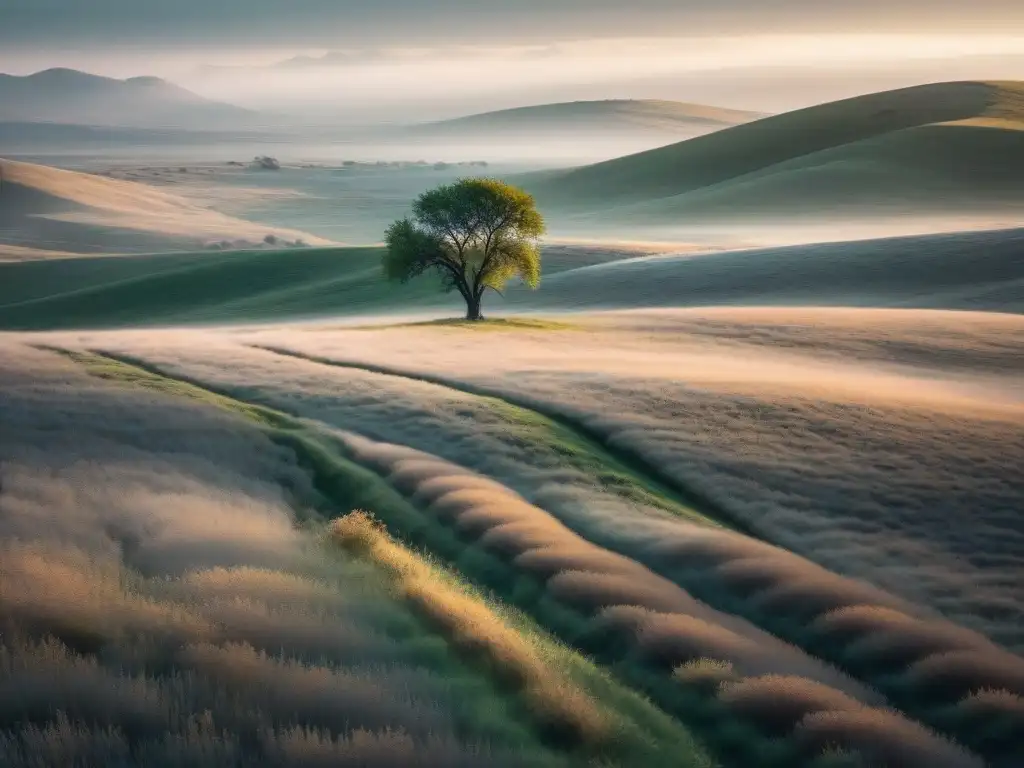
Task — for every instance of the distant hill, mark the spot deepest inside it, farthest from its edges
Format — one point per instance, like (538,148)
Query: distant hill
(947,146)
(667,117)
(72,97)
(49,209)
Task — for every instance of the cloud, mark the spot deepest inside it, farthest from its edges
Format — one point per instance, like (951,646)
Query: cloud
(764,71)
(330,22)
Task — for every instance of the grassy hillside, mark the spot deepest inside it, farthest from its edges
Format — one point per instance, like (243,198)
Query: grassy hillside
(235,286)
(982,270)
(972,270)
(203,287)
(943,144)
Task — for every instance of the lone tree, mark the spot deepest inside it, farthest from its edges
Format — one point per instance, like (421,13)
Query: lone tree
(475,233)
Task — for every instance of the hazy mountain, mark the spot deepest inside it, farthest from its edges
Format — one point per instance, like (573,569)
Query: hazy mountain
(70,96)
(609,116)
(609,113)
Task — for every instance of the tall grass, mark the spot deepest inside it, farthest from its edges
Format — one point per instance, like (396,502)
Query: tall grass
(520,657)
(512,547)
(641,641)
(159,606)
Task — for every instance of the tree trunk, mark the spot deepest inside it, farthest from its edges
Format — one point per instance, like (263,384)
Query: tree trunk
(473,308)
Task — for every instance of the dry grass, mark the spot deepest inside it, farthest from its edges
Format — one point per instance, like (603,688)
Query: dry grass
(474,628)
(994,703)
(881,444)
(84,601)
(778,703)
(316,695)
(884,739)
(160,607)
(704,674)
(957,674)
(258,583)
(854,622)
(887,638)
(583,577)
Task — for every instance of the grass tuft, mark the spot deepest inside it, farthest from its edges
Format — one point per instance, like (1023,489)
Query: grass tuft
(478,631)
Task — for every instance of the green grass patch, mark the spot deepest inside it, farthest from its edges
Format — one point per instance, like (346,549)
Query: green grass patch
(584,455)
(575,446)
(111,369)
(194,288)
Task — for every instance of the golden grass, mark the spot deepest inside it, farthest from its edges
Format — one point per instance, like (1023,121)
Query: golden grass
(246,582)
(85,600)
(882,738)
(479,631)
(705,673)
(778,702)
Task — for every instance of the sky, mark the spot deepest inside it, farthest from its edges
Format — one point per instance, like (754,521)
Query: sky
(386,59)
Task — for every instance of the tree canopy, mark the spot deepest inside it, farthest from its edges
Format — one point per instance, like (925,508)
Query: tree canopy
(477,234)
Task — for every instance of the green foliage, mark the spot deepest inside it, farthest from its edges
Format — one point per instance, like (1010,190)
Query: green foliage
(475,233)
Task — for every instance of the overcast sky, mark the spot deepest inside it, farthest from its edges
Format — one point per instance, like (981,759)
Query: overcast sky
(330,22)
(449,56)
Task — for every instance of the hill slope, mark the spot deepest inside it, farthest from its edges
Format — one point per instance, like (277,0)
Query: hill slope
(945,146)
(52,209)
(614,115)
(70,96)
(981,271)
(970,270)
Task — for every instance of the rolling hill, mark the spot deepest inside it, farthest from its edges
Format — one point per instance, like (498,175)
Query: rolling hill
(940,147)
(51,209)
(68,96)
(610,116)
(969,270)
(978,271)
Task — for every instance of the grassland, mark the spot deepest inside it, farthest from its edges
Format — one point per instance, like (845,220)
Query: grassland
(964,271)
(773,536)
(203,288)
(967,270)
(229,634)
(526,476)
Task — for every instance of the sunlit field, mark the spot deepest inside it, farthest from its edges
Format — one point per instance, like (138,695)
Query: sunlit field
(657,434)
(778,554)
